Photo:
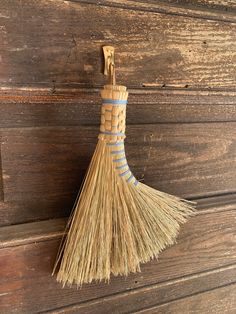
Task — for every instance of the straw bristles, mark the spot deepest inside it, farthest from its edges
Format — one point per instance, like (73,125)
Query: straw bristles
(116,224)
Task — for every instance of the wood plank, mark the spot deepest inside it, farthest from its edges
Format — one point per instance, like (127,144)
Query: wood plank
(217,301)
(82,107)
(22,211)
(216,203)
(21,234)
(27,287)
(43,167)
(221,5)
(26,233)
(150,296)
(1,176)
(56,43)
(209,9)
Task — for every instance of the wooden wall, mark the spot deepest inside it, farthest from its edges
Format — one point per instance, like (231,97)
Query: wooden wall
(178,59)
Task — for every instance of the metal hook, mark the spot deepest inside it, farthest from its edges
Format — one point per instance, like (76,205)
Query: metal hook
(109,68)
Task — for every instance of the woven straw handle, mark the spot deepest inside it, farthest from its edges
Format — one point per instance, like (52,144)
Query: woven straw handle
(113,113)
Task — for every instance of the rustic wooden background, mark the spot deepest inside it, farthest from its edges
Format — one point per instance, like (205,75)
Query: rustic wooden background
(178,59)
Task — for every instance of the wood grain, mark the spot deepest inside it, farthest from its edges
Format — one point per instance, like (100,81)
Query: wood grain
(27,287)
(52,43)
(217,301)
(216,203)
(21,234)
(82,107)
(165,293)
(1,177)
(208,9)
(178,59)
(221,5)
(43,167)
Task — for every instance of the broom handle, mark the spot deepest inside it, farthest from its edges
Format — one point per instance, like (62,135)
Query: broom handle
(113,113)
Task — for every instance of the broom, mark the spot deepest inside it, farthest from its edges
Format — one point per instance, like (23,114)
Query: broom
(118,222)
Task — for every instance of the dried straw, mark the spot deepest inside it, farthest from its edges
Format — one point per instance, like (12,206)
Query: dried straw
(118,222)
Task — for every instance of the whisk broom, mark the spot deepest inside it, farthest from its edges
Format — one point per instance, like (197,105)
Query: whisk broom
(118,223)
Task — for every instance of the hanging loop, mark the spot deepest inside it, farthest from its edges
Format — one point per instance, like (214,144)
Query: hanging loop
(109,68)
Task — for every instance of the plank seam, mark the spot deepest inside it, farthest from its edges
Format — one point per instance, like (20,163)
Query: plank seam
(182,298)
(76,88)
(153,286)
(1,174)
(154,9)
(53,235)
(39,126)
(97,125)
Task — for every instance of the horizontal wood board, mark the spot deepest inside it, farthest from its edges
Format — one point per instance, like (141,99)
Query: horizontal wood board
(177,58)
(43,166)
(176,296)
(199,250)
(201,254)
(56,43)
(33,108)
(204,9)
(217,301)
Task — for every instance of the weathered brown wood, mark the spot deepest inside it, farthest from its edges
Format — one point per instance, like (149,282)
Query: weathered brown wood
(216,203)
(221,5)
(56,43)
(27,287)
(150,296)
(21,234)
(178,59)
(41,108)
(43,167)
(20,211)
(217,301)
(208,9)
(1,177)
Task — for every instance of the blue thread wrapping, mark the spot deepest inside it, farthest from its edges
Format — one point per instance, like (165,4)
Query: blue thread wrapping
(120,159)
(122,166)
(115,144)
(114,101)
(124,173)
(111,133)
(130,178)
(117,152)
